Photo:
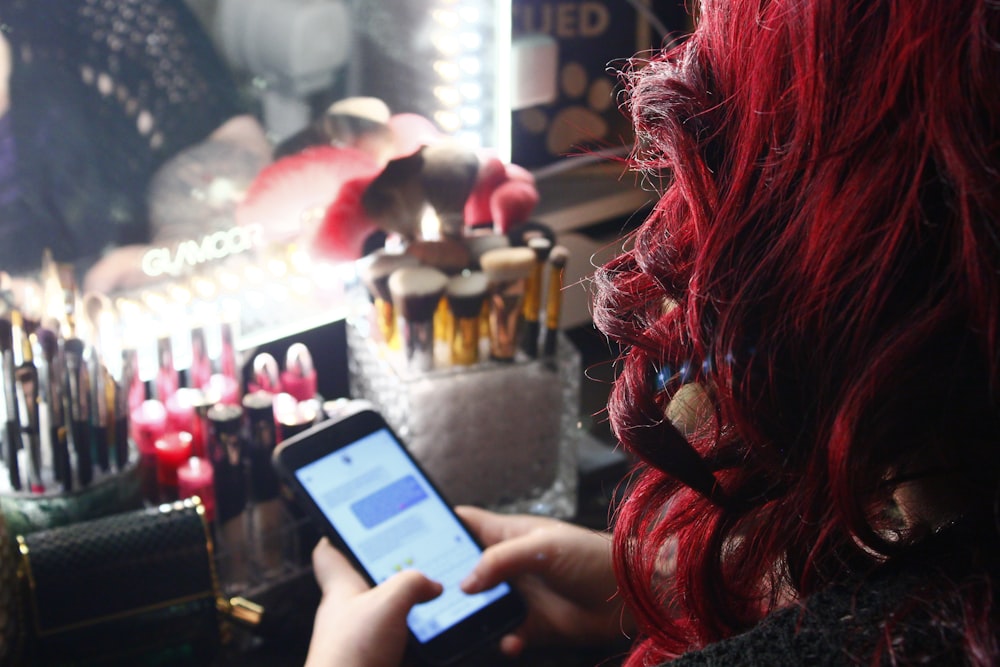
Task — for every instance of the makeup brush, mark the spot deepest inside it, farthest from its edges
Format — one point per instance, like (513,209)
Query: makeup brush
(416,292)
(395,199)
(100,411)
(362,122)
(12,427)
(448,177)
(51,378)
(448,255)
(374,273)
(466,295)
(553,304)
(507,270)
(26,377)
(78,413)
(541,246)
(480,242)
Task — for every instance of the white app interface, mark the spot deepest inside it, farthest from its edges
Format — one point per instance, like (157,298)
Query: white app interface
(392,520)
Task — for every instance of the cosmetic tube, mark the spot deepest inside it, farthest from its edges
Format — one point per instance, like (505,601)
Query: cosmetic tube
(226,451)
(267,513)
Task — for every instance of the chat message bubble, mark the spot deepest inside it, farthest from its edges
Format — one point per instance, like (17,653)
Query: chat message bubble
(388,501)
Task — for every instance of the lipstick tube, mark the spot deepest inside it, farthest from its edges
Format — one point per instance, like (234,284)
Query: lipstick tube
(167,378)
(266,375)
(299,376)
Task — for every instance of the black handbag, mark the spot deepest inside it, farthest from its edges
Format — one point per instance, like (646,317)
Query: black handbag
(138,588)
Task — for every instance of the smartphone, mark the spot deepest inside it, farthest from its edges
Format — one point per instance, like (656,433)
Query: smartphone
(358,481)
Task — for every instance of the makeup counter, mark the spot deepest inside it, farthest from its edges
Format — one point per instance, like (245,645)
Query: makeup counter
(143,517)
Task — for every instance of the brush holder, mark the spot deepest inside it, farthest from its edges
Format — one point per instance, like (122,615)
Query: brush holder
(501,435)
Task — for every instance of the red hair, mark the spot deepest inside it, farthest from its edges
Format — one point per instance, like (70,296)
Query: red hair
(824,260)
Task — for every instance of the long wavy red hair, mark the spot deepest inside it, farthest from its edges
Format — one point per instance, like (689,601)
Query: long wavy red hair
(824,261)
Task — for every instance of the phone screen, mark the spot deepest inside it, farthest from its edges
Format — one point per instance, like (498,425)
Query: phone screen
(390,517)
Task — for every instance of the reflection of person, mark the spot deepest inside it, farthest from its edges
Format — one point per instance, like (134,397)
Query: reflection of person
(97,97)
(818,283)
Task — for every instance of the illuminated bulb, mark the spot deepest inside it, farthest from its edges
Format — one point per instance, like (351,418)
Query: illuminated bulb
(300,285)
(277,268)
(469,14)
(471,91)
(445,18)
(448,121)
(430,225)
(471,116)
(228,280)
(447,70)
(471,41)
(470,65)
(254,274)
(204,288)
(445,44)
(447,96)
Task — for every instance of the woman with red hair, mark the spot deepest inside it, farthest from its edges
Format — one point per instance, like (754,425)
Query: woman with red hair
(811,375)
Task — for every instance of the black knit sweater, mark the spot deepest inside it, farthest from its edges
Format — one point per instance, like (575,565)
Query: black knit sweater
(102,92)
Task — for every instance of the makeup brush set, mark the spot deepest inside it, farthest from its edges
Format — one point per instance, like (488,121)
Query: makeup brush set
(457,344)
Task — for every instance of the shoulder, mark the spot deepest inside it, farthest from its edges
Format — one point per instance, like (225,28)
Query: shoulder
(843,625)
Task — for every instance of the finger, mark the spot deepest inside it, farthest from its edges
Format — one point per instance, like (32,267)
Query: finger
(403,590)
(512,645)
(491,528)
(334,573)
(529,553)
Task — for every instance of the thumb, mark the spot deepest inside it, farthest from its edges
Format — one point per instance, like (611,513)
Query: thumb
(403,590)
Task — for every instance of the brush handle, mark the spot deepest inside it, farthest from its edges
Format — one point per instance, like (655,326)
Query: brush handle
(12,444)
(81,445)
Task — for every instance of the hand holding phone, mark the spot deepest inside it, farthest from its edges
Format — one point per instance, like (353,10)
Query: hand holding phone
(374,502)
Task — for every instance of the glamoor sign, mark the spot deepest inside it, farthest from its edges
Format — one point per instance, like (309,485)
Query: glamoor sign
(165,261)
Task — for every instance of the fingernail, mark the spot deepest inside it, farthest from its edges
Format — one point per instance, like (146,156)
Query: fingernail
(470,583)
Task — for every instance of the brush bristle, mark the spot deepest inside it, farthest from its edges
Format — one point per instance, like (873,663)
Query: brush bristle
(417,281)
(541,246)
(416,291)
(559,256)
(376,269)
(466,293)
(504,264)
(448,255)
(448,176)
